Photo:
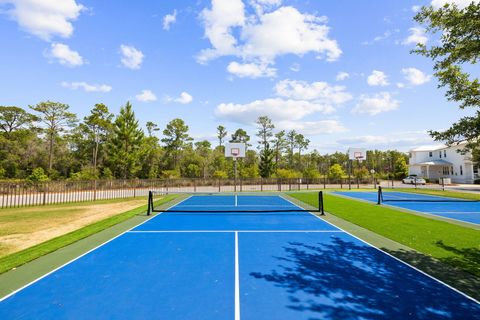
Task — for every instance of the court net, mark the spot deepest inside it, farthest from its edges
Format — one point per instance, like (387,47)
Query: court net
(415,197)
(236,202)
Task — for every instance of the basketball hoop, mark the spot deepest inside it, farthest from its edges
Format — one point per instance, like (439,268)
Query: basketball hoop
(358,154)
(235,152)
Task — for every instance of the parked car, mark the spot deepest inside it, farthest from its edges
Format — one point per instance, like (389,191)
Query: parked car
(413,180)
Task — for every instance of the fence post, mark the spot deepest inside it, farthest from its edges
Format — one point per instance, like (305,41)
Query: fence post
(45,193)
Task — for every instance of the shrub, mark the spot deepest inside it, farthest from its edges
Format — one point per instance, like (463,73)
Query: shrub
(38,175)
(287,174)
(171,174)
(220,174)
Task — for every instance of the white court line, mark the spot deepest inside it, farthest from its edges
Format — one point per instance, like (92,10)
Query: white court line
(388,254)
(84,254)
(237,280)
(397,207)
(441,212)
(236,231)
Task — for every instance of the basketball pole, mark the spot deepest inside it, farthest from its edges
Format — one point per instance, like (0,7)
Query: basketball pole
(235,174)
(350,174)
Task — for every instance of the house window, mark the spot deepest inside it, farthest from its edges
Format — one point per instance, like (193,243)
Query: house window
(430,154)
(440,154)
(444,153)
(409,154)
(461,170)
(451,171)
(446,171)
(475,172)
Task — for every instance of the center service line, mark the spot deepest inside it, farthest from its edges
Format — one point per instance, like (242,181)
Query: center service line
(237,281)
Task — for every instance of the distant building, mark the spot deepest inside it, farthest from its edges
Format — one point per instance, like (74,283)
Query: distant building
(441,161)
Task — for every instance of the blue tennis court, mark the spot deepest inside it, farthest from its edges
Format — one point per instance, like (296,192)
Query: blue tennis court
(460,210)
(237,265)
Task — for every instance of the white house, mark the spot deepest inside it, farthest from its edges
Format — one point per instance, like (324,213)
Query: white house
(440,161)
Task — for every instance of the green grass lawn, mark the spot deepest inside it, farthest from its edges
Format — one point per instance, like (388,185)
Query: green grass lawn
(19,258)
(453,244)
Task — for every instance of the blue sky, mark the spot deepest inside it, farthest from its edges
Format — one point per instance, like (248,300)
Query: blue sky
(339,72)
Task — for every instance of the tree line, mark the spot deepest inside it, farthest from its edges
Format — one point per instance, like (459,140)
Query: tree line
(49,142)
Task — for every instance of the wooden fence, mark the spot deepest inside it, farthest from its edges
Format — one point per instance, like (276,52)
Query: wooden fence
(21,194)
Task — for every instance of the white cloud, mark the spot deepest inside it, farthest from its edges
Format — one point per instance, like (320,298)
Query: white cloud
(417,35)
(64,55)
(287,31)
(460,3)
(264,36)
(169,19)
(312,127)
(183,98)
(400,85)
(416,8)
(219,22)
(378,103)
(342,76)
(261,6)
(45,19)
(295,67)
(146,96)
(87,87)
(277,109)
(415,77)
(397,140)
(131,57)
(320,92)
(250,70)
(377,78)
(387,34)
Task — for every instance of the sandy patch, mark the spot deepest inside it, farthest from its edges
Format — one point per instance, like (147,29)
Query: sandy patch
(41,230)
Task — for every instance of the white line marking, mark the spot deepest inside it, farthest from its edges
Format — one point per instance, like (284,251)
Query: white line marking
(239,231)
(236,200)
(458,222)
(388,254)
(84,254)
(459,212)
(237,281)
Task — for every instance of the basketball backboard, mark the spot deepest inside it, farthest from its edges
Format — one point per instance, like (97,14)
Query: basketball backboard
(235,150)
(357,154)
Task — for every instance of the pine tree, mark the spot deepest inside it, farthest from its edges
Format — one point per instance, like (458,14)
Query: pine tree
(125,143)
(56,118)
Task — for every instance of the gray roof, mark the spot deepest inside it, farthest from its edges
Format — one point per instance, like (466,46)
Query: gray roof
(433,163)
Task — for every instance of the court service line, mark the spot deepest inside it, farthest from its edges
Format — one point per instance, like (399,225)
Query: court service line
(392,256)
(237,280)
(236,231)
(80,256)
(459,212)
(427,214)
(404,209)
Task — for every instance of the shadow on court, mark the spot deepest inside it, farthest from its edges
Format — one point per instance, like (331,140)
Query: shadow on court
(345,280)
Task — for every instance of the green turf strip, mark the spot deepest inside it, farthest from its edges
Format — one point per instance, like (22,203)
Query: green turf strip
(453,244)
(19,258)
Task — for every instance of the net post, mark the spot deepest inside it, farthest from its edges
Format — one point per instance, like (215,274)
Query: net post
(379,199)
(150,203)
(320,203)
